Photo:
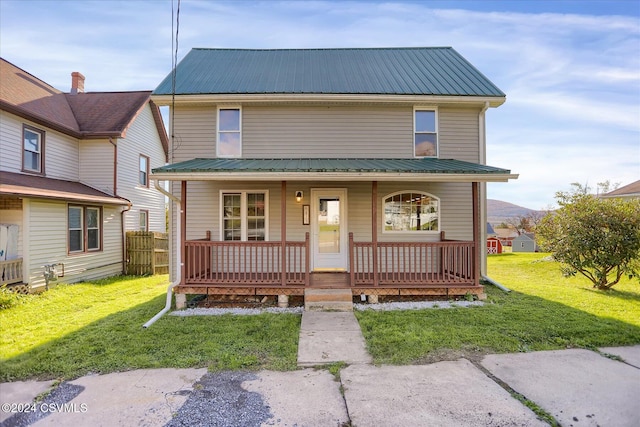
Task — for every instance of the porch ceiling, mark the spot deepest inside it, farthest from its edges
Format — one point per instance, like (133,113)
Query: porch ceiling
(420,169)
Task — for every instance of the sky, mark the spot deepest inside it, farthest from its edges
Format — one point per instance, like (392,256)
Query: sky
(570,69)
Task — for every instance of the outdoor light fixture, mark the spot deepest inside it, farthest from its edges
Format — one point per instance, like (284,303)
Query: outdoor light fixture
(298,196)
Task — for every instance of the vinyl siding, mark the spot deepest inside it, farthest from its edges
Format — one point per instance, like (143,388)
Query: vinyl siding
(141,139)
(96,164)
(459,134)
(48,244)
(61,154)
(326,132)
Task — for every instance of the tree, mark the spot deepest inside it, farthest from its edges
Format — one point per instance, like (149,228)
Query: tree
(598,238)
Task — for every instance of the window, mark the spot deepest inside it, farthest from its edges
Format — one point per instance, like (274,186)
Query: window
(84,228)
(425,142)
(229,142)
(144,171)
(244,215)
(412,212)
(144,220)
(33,149)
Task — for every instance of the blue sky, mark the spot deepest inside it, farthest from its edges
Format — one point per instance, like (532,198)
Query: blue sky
(570,69)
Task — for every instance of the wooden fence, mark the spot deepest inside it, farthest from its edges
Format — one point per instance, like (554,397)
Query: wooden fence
(147,253)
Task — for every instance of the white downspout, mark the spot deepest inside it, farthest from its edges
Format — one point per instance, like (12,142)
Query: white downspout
(167,306)
(483,187)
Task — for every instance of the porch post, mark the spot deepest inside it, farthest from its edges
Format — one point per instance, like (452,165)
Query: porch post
(183,231)
(374,229)
(476,232)
(283,233)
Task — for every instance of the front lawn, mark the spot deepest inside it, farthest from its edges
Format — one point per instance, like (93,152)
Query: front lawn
(97,327)
(544,311)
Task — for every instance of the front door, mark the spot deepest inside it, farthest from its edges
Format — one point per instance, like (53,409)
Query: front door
(329,229)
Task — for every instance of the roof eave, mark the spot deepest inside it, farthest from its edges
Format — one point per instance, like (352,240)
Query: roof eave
(165,100)
(36,193)
(333,176)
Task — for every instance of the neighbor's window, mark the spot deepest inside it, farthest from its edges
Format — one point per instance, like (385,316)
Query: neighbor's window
(229,142)
(144,171)
(411,211)
(33,149)
(84,225)
(144,221)
(425,140)
(244,215)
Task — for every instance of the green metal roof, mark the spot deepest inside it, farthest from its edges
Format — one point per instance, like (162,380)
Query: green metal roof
(318,166)
(382,71)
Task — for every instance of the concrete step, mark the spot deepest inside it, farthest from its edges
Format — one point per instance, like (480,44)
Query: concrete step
(323,299)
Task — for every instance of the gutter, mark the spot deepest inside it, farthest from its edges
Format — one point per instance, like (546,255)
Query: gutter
(176,282)
(496,284)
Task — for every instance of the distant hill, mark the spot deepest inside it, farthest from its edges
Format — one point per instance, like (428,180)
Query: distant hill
(499,211)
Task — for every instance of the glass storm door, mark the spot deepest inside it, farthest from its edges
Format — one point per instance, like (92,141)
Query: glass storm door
(329,229)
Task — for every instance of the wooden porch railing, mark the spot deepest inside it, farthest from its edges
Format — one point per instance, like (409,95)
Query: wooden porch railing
(10,271)
(412,263)
(268,264)
(247,263)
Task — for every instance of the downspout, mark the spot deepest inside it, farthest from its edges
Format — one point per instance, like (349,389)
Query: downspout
(483,186)
(124,237)
(496,284)
(176,282)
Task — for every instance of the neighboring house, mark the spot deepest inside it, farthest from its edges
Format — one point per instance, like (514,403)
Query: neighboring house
(355,168)
(74,175)
(506,235)
(526,242)
(629,191)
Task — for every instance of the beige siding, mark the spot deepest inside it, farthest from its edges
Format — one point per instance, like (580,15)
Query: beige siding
(60,151)
(10,142)
(96,164)
(141,139)
(195,133)
(329,132)
(459,134)
(48,244)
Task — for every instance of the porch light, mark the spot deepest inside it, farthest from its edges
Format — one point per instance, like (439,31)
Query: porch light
(298,196)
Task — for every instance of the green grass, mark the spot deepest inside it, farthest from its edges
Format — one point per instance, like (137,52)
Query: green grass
(72,330)
(544,311)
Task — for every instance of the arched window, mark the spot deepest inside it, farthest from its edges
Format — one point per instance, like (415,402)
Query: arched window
(411,211)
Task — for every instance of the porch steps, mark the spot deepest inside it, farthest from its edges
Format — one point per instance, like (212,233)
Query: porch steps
(328,299)
(329,279)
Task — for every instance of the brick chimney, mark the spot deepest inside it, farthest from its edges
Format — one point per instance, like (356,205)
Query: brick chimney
(77,83)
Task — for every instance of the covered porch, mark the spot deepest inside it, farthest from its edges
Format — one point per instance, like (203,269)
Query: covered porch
(366,264)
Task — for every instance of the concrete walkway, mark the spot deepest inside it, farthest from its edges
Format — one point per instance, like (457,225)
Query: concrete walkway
(579,388)
(328,337)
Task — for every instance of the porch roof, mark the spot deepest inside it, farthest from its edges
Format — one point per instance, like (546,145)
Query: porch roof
(420,169)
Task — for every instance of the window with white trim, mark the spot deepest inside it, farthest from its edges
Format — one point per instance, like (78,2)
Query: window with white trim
(144,171)
(425,135)
(84,228)
(143,220)
(32,149)
(229,139)
(411,211)
(244,215)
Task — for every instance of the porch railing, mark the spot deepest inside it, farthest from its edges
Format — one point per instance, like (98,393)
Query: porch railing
(412,263)
(265,264)
(247,263)
(10,271)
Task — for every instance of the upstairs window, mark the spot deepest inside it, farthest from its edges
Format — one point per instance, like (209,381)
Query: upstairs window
(144,171)
(411,211)
(425,139)
(229,143)
(33,149)
(244,216)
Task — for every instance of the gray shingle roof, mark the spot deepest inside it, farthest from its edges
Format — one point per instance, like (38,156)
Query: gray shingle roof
(386,71)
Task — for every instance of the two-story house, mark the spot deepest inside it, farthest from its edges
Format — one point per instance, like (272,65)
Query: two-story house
(74,176)
(361,169)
